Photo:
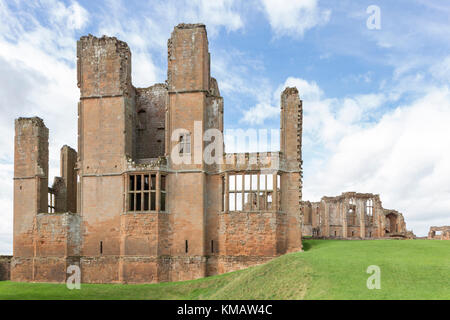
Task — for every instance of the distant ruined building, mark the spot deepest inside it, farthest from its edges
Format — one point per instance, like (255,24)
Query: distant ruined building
(352,215)
(439,233)
(125,210)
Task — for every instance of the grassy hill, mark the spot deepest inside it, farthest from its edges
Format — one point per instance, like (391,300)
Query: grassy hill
(327,269)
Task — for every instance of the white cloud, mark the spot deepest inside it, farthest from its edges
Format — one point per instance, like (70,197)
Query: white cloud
(294,17)
(259,113)
(403,156)
(441,70)
(72,17)
(309,91)
(350,145)
(269,105)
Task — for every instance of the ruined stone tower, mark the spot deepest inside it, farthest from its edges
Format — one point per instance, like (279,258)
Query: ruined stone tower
(45,243)
(148,207)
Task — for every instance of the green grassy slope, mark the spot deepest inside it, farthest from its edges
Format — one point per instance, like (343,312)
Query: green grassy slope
(328,269)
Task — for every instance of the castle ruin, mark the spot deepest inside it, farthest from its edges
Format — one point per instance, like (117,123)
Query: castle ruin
(124,210)
(127,210)
(352,215)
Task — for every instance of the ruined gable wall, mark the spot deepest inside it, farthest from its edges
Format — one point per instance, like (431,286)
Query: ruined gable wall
(445,233)
(336,220)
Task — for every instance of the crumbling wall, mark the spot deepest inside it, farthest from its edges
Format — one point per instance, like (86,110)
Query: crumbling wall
(5,268)
(311,218)
(444,233)
(150,121)
(30,189)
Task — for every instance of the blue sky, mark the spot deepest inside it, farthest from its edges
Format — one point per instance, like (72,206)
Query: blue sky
(376,102)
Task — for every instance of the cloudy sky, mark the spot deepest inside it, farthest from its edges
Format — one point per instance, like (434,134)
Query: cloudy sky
(376,101)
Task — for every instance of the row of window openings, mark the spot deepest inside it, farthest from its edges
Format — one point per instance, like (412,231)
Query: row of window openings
(142,192)
(351,215)
(251,192)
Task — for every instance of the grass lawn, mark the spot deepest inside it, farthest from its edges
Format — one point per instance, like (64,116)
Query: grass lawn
(327,269)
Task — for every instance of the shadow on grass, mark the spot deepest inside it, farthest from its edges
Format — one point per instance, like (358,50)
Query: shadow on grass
(309,243)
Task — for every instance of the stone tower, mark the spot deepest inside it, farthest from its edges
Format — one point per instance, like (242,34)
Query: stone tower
(30,190)
(106,113)
(188,80)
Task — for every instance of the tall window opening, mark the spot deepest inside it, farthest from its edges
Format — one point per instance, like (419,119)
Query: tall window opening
(51,201)
(142,191)
(369,210)
(351,217)
(252,192)
(185,143)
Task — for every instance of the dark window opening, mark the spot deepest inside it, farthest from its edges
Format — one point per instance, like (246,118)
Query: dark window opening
(212,246)
(163,194)
(185,143)
(252,192)
(142,192)
(146,201)
(132,183)
(138,182)
(101,247)
(153,201)
(163,201)
(146,182)
(138,201)
(187,247)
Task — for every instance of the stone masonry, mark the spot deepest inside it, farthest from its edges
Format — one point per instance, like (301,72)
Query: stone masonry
(124,209)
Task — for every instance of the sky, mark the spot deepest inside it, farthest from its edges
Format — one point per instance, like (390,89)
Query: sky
(376,101)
